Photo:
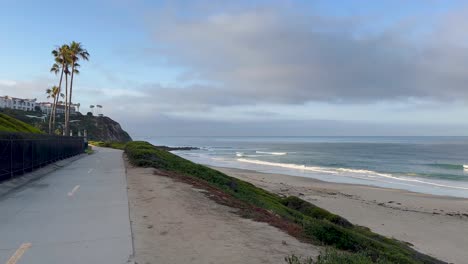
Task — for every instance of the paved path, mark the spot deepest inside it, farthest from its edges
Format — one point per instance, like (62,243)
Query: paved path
(77,214)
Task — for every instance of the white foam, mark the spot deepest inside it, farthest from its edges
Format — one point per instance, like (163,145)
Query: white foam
(272,153)
(287,165)
(355,173)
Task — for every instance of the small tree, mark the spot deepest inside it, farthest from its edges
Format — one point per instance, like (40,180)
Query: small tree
(53,93)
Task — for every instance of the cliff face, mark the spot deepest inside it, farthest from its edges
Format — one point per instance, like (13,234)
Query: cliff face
(99,128)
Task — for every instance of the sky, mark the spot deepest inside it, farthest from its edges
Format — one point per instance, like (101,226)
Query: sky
(251,68)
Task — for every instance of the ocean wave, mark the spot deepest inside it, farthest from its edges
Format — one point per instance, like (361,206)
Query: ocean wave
(449,166)
(272,153)
(242,154)
(287,165)
(357,173)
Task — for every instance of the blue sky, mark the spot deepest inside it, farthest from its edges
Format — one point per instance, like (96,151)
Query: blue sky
(159,67)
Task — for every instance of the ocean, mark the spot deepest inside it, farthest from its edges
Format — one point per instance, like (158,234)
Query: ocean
(432,165)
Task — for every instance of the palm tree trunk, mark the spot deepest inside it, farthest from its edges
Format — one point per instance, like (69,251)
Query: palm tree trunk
(58,96)
(50,118)
(71,90)
(66,130)
(54,110)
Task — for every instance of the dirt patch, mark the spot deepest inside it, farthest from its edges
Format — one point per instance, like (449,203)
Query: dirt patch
(191,222)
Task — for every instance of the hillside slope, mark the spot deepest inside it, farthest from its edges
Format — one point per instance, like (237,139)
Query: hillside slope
(10,124)
(99,128)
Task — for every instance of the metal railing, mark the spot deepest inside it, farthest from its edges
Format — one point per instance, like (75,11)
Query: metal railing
(22,152)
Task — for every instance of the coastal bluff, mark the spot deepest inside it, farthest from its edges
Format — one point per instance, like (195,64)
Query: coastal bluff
(99,128)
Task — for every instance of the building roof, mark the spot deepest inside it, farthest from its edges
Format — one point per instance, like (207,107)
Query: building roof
(16,98)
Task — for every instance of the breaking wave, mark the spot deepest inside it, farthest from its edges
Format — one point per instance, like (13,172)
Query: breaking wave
(357,173)
(272,153)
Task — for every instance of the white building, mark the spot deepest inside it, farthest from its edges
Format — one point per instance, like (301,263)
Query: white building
(46,108)
(17,103)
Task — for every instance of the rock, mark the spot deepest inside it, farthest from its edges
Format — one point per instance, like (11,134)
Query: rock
(176,148)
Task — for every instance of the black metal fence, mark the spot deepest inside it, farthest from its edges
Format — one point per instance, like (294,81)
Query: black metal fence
(21,152)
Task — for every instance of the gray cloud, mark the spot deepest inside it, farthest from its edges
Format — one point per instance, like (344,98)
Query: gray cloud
(287,57)
(165,126)
(34,88)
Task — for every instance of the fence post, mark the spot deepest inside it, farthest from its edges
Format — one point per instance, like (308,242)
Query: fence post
(11,158)
(23,147)
(32,155)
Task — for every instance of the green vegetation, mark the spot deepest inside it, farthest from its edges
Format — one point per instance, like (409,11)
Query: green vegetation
(10,124)
(89,150)
(331,256)
(317,225)
(115,145)
(293,259)
(54,94)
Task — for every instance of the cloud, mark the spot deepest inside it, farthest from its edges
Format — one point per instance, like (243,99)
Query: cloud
(8,83)
(168,126)
(284,56)
(121,92)
(34,88)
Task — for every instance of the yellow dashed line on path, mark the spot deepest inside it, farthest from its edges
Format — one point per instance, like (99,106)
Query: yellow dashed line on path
(19,253)
(74,190)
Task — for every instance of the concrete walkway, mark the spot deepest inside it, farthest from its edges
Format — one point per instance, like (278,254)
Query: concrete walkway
(77,214)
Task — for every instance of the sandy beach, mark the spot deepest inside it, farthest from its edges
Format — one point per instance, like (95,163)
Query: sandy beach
(435,225)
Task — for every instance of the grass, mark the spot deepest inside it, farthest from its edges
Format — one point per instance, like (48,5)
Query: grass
(115,145)
(315,224)
(331,256)
(10,124)
(89,150)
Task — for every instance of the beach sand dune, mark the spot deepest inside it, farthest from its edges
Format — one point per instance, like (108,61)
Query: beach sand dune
(435,225)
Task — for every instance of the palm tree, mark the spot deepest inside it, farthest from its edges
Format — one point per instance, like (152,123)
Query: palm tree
(53,93)
(76,52)
(56,68)
(66,129)
(62,61)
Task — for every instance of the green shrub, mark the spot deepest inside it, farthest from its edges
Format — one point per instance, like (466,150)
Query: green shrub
(114,145)
(293,259)
(331,256)
(314,211)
